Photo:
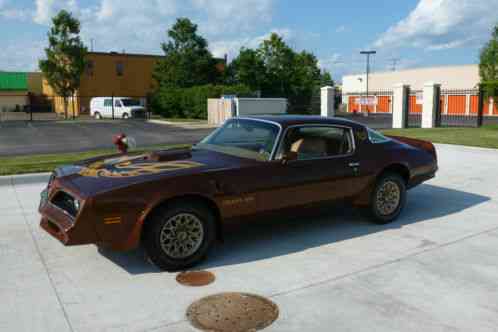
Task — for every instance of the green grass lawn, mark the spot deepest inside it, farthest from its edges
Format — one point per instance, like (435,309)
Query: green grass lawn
(486,136)
(47,162)
(158,117)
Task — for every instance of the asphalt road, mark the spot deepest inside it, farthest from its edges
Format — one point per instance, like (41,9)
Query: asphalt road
(435,269)
(38,137)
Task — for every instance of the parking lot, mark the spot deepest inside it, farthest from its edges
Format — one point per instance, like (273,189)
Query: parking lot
(22,138)
(435,269)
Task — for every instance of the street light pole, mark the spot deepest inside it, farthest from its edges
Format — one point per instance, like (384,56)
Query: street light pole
(368,53)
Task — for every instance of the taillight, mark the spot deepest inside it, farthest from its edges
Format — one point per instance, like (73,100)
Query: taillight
(429,147)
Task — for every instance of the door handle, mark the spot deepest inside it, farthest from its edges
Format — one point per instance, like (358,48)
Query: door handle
(354,165)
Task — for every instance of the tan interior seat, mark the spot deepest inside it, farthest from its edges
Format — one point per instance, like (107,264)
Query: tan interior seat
(310,147)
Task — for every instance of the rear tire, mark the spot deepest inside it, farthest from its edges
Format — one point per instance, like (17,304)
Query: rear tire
(179,236)
(388,198)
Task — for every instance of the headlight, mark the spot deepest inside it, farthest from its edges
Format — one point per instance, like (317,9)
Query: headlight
(67,203)
(76,204)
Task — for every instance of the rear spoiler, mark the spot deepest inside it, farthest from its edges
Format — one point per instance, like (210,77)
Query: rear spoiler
(418,143)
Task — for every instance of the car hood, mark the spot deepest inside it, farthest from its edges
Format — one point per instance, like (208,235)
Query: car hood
(106,173)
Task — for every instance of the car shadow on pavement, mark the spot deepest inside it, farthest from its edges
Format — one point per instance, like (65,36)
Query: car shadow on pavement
(267,238)
(133,262)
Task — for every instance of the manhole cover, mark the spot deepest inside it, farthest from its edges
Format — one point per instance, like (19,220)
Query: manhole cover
(232,312)
(195,278)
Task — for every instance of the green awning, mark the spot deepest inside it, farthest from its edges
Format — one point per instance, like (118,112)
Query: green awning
(10,81)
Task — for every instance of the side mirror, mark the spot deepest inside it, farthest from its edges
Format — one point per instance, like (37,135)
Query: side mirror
(289,156)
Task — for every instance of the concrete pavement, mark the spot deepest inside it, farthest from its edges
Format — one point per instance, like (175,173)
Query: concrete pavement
(435,269)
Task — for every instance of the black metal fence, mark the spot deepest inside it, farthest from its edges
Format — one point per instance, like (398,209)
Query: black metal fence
(377,115)
(459,108)
(414,109)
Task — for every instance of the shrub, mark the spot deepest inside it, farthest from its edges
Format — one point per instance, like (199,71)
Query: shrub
(191,102)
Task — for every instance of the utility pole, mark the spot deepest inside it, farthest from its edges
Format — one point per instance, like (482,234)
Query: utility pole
(395,62)
(368,54)
(91,44)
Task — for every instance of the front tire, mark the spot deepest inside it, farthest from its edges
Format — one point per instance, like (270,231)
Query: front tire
(388,198)
(126,116)
(97,116)
(179,236)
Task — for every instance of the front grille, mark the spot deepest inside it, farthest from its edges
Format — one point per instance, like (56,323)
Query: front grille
(65,202)
(138,114)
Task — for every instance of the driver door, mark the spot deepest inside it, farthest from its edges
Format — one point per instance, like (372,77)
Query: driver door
(325,167)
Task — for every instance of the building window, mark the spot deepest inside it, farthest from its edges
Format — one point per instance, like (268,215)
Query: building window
(89,67)
(119,68)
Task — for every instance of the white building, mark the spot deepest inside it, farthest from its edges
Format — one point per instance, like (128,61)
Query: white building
(465,77)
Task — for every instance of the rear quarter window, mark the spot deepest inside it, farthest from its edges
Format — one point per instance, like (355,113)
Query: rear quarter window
(376,137)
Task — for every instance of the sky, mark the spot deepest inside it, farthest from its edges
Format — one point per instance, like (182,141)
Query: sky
(417,33)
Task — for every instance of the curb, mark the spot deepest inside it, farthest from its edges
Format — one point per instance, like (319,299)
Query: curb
(185,125)
(13,180)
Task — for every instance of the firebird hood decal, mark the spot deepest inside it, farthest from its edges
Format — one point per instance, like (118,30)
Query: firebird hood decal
(134,166)
(107,173)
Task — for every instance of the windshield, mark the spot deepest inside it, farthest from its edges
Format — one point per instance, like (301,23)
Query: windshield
(244,138)
(130,102)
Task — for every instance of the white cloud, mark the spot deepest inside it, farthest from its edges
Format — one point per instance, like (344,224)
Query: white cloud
(124,9)
(46,9)
(231,47)
(139,26)
(331,62)
(14,14)
(9,12)
(442,24)
(234,15)
(341,28)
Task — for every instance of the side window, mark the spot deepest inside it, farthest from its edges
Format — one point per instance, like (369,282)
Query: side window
(376,137)
(312,142)
(119,68)
(117,103)
(107,103)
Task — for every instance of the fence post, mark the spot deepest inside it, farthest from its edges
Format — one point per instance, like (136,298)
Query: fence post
(480,106)
(72,101)
(430,109)
(112,100)
(400,105)
(327,101)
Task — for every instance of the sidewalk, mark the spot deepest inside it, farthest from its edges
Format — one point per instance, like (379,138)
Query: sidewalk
(434,269)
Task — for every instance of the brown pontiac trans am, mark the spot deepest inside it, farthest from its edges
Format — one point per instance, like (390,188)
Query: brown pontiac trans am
(176,203)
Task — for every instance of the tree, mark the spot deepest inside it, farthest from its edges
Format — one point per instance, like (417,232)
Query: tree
(65,56)
(187,60)
(488,66)
(306,78)
(276,70)
(279,60)
(326,79)
(248,68)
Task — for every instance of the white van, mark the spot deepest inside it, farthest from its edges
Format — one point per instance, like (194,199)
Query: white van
(124,108)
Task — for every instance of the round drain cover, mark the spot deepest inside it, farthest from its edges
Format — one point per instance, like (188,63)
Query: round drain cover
(232,312)
(195,278)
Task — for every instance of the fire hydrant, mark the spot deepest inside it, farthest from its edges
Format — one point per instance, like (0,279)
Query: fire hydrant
(121,143)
